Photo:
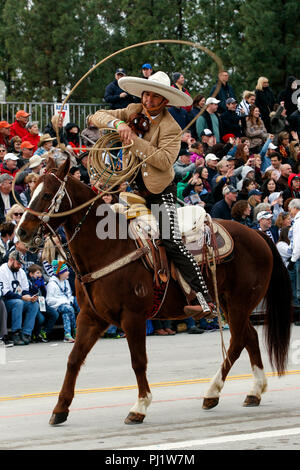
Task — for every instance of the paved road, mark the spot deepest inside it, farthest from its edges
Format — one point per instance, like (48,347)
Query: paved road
(179,370)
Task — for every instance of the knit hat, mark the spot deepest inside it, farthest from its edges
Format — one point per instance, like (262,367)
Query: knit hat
(59,267)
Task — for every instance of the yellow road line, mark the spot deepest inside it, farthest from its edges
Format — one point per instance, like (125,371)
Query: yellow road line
(132,387)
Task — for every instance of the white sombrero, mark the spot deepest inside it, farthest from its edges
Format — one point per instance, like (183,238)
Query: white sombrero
(159,83)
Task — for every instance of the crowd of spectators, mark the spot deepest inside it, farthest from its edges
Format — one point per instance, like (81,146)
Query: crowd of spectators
(239,160)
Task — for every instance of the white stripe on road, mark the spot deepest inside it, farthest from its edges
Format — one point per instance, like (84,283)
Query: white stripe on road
(221,440)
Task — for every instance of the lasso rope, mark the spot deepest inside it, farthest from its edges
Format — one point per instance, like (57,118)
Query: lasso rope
(122,177)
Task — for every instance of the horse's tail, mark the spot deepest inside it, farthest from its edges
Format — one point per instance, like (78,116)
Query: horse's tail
(279,312)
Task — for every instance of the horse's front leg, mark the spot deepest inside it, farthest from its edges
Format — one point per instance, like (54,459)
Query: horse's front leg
(135,329)
(87,333)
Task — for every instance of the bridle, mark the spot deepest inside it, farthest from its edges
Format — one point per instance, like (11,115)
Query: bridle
(54,207)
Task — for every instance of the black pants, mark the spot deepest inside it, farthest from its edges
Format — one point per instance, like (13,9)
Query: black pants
(163,207)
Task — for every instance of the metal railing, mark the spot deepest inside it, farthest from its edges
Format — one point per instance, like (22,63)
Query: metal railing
(43,111)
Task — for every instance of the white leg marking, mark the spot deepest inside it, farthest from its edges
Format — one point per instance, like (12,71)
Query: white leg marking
(142,404)
(259,383)
(216,386)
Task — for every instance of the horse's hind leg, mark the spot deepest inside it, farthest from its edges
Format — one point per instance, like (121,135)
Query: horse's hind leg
(135,330)
(260,380)
(88,332)
(211,398)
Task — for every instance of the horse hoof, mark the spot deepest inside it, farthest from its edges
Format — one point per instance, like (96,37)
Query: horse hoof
(134,418)
(251,400)
(58,418)
(209,403)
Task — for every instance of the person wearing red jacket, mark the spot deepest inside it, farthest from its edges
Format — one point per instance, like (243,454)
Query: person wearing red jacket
(19,126)
(33,134)
(9,165)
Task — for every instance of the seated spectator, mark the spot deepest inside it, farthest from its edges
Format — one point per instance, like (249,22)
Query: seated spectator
(263,206)
(243,109)
(231,122)
(36,165)
(211,161)
(283,147)
(5,134)
(264,219)
(240,212)
(242,155)
(3,152)
(268,187)
(82,160)
(26,153)
(6,197)
(197,153)
(9,165)
(90,134)
(18,301)
(45,145)
(162,328)
(203,173)
(19,126)
(276,201)
(75,171)
(195,194)
(249,174)
(248,185)
(294,149)
(47,316)
(60,297)
(208,140)
(223,177)
(222,209)
(56,124)
(28,257)
(30,182)
(7,233)
(33,134)
(254,199)
(283,220)
(15,145)
(14,214)
(182,166)
(284,246)
(255,130)
(293,191)
(74,139)
(285,171)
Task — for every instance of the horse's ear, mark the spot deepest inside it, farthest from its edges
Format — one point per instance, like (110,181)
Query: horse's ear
(64,169)
(50,164)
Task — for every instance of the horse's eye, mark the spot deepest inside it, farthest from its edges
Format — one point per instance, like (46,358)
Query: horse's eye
(47,197)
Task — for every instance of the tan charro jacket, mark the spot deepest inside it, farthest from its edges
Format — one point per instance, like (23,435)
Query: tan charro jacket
(164,134)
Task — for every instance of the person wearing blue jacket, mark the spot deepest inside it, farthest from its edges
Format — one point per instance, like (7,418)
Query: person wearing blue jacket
(18,301)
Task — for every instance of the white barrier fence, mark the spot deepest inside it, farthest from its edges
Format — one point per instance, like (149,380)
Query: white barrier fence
(43,111)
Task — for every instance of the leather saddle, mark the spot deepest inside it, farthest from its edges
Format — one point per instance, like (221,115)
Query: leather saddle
(204,238)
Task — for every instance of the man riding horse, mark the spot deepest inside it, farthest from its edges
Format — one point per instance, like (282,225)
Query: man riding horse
(155,179)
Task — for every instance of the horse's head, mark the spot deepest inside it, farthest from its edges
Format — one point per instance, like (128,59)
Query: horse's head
(50,196)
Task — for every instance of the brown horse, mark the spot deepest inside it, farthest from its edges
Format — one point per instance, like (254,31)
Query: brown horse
(125,296)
